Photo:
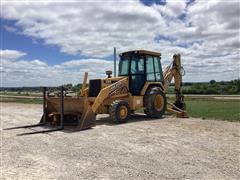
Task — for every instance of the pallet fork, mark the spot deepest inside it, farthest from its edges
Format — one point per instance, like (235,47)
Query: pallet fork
(43,120)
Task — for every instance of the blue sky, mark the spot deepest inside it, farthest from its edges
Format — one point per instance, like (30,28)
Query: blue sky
(35,47)
(151,2)
(55,46)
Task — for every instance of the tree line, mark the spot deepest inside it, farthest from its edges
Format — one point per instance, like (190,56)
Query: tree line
(211,87)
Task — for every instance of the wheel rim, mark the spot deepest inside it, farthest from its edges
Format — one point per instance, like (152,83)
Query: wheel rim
(123,112)
(158,102)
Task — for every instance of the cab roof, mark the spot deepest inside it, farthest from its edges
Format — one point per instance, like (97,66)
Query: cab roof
(141,52)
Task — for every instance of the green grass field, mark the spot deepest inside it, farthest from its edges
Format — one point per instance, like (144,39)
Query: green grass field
(222,110)
(205,107)
(208,107)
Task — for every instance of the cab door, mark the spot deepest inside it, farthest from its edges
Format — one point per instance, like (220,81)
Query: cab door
(137,74)
(153,69)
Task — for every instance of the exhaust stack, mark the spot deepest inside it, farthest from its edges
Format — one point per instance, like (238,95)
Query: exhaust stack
(115,62)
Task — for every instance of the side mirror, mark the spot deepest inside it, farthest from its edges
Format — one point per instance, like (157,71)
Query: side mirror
(109,73)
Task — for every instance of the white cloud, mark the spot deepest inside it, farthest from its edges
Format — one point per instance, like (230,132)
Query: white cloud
(208,37)
(21,72)
(87,27)
(11,54)
(172,9)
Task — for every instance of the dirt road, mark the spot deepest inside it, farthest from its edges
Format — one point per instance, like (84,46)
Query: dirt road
(168,148)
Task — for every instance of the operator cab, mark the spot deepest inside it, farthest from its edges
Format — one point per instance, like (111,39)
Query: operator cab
(140,66)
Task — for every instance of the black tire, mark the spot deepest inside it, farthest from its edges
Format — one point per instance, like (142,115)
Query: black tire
(115,111)
(150,108)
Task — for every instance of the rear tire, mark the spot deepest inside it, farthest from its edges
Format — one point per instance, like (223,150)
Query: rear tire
(155,102)
(119,111)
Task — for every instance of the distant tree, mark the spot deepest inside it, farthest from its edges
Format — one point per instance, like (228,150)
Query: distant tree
(212,82)
(211,91)
(77,87)
(68,86)
(222,83)
(238,85)
(187,84)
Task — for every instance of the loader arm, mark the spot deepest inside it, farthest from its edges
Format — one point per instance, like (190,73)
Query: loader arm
(84,84)
(117,88)
(88,118)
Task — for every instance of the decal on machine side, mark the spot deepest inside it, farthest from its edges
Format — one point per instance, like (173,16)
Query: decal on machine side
(119,88)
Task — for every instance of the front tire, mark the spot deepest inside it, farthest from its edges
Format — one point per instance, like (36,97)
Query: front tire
(155,102)
(119,112)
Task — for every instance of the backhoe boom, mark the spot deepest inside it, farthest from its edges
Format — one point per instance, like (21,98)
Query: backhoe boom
(174,72)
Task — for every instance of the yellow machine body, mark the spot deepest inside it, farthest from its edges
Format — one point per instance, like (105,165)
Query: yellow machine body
(112,95)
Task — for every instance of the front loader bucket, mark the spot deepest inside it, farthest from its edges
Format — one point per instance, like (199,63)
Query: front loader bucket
(59,112)
(77,112)
(88,119)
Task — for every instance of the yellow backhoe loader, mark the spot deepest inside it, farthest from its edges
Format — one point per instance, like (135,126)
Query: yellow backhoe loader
(141,84)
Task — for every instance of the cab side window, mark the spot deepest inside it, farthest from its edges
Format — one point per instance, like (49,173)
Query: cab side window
(158,68)
(150,68)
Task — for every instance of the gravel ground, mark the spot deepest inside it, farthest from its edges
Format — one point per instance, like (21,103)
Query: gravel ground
(168,148)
